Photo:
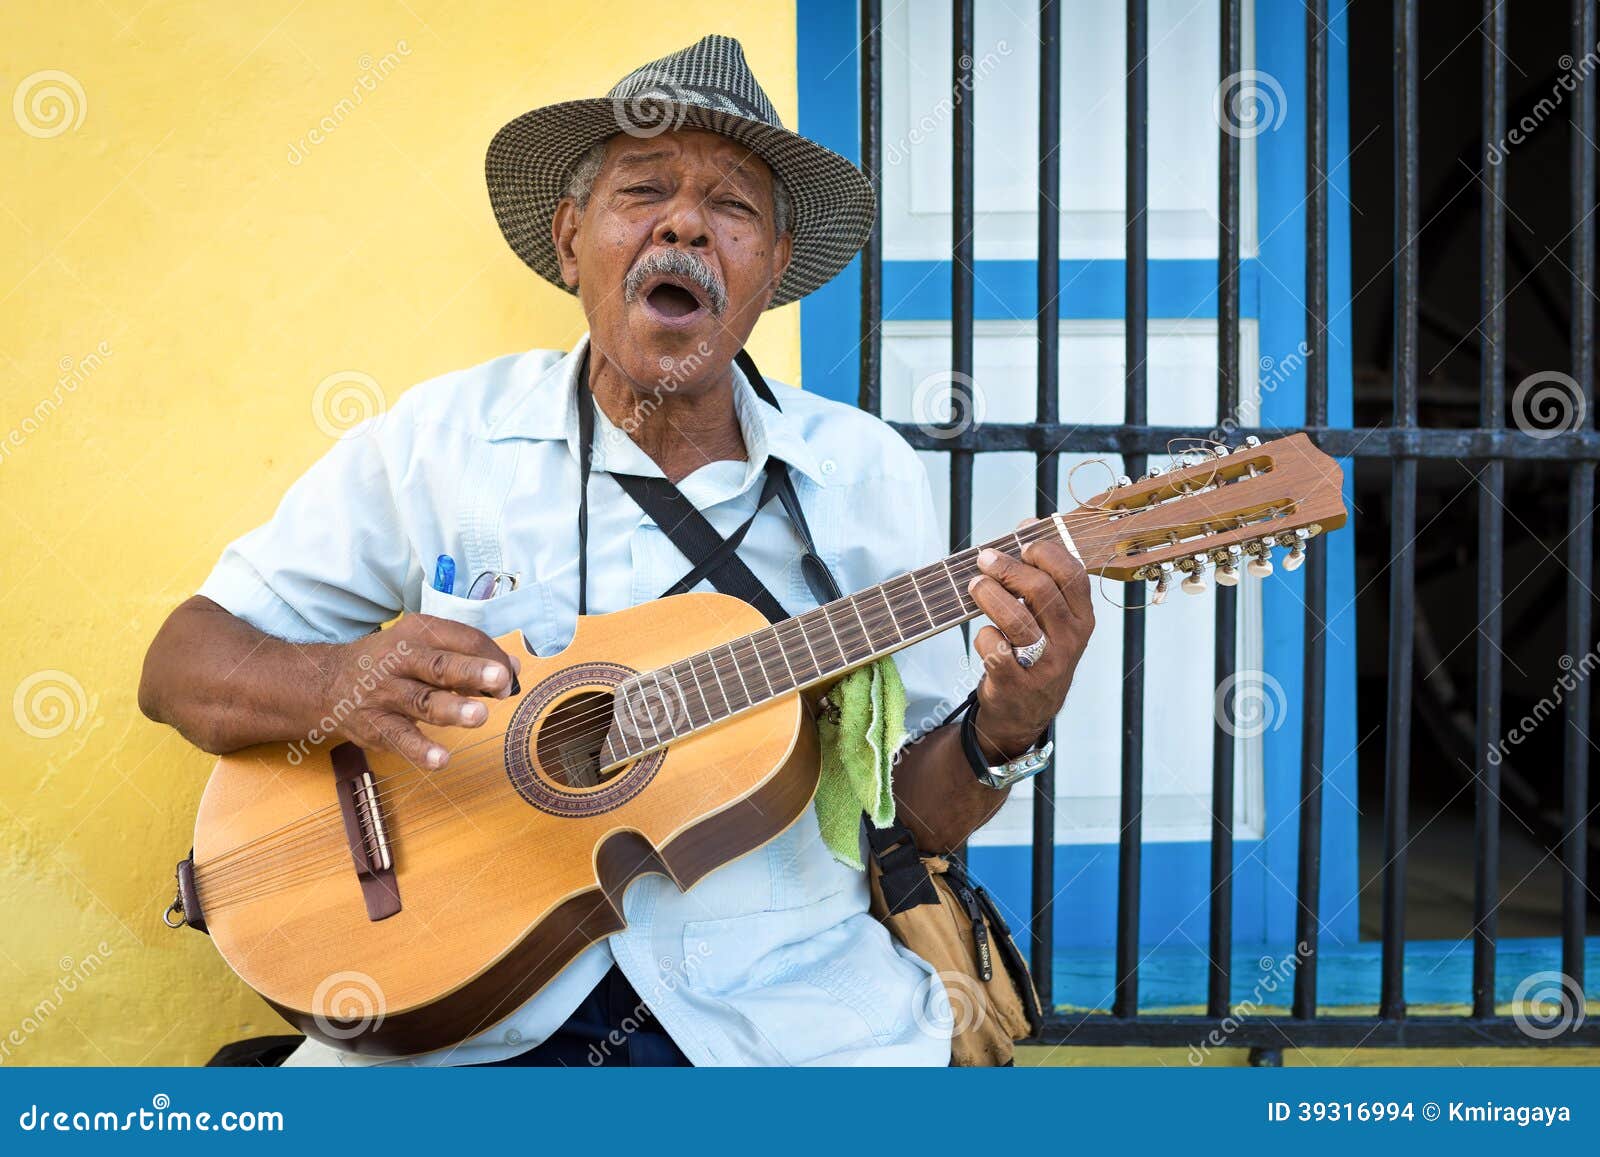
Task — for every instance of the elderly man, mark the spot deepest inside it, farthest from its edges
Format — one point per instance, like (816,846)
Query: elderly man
(678,209)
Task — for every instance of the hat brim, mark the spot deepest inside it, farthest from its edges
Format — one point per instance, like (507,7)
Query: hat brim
(530,160)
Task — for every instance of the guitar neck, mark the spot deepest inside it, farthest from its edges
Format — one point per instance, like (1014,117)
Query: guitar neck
(808,650)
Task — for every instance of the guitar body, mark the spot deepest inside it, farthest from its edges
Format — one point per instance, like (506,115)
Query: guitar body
(506,863)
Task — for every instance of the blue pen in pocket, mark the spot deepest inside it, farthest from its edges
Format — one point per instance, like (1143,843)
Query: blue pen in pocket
(444,575)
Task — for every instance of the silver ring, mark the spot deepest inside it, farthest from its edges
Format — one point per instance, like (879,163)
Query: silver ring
(1029,655)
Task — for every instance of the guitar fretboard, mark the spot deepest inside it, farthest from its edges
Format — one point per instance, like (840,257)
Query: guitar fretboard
(656,707)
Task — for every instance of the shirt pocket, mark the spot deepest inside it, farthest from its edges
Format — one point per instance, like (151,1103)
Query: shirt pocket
(526,609)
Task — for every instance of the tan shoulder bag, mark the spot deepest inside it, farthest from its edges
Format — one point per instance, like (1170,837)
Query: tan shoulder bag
(931,906)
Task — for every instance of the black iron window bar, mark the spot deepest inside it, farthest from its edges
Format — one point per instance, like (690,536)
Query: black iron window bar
(1403,443)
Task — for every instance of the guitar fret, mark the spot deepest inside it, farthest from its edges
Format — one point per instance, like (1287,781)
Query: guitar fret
(755,649)
(676,675)
(865,633)
(960,594)
(627,702)
(739,671)
(727,703)
(783,653)
(660,691)
(917,588)
(883,594)
(827,618)
(700,688)
(805,635)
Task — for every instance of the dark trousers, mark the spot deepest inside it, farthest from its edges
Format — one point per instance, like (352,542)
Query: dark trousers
(612,1027)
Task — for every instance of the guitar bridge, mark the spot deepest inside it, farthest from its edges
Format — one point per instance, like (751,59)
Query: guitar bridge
(365,832)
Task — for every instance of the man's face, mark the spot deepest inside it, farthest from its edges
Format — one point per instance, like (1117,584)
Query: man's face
(675,256)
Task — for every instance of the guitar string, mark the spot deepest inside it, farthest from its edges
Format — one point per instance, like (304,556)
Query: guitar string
(411,835)
(335,862)
(335,851)
(339,850)
(1085,515)
(462,792)
(880,619)
(885,618)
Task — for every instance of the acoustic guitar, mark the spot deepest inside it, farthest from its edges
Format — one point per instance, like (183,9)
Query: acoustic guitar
(392,910)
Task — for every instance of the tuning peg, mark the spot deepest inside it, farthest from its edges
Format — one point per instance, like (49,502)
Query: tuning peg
(1221,451)
(1163,585)
(1228,567)
(1124,480)
(1251,442)
(1297,552)
(1153,472)
(1261,565)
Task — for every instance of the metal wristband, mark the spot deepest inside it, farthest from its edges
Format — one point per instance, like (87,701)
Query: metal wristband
(999,777)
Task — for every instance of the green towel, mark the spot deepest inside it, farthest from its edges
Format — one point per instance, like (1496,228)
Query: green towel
(862,724)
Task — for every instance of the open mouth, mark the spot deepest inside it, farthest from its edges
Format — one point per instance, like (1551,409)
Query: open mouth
(673,301)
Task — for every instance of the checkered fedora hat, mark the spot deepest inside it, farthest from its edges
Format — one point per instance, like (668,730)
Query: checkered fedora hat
(705,86)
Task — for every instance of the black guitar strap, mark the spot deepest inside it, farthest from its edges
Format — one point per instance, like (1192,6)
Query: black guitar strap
(713,558)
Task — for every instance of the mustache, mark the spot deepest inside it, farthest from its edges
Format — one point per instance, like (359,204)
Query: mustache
(677,263)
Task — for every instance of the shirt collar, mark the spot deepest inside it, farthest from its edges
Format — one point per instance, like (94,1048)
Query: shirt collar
(547,409)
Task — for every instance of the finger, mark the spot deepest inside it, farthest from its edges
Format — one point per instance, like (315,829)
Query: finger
(1033,586)
(449,635)
(400,735)
(471,674)
(998,658)
(1019,627)
(433,704)
(1068,574)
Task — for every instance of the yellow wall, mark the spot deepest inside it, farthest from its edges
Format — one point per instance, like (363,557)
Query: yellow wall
(176,285)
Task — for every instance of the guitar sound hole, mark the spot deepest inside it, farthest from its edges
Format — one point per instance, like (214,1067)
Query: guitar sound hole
(568,744)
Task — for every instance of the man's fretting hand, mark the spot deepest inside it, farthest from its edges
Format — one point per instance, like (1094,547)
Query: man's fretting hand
(1016,703)
(422,669)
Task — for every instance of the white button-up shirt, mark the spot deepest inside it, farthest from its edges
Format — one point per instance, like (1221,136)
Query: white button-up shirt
(772,959)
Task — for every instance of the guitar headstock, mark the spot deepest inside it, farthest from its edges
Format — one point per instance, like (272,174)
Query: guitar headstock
(1219,509)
